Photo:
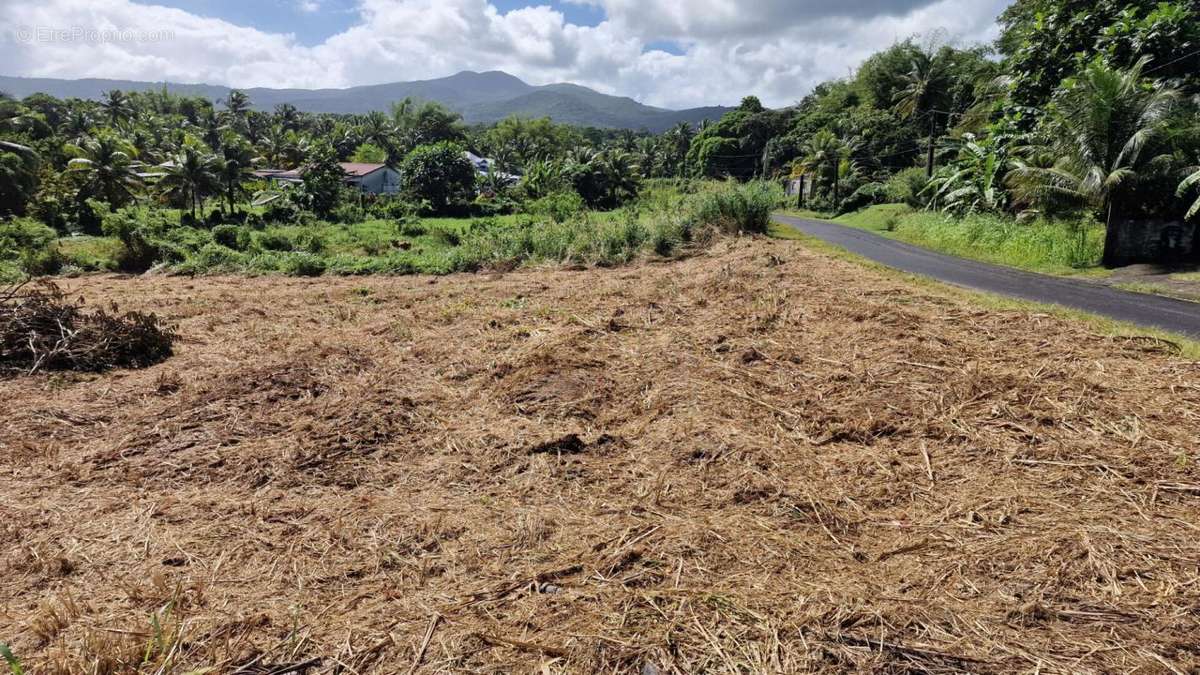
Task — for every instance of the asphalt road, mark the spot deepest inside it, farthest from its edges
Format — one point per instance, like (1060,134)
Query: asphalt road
(1177,316)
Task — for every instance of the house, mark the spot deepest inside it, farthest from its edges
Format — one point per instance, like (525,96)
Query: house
(376,179)
(485,167)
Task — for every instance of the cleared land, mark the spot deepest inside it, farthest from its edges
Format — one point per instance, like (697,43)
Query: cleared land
(759,459)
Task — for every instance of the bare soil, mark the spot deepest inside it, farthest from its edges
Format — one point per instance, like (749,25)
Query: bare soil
(759,459)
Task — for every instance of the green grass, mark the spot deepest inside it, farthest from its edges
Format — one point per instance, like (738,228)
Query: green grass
(1041,246)
(1186,276)
(1186,347)
(666,220)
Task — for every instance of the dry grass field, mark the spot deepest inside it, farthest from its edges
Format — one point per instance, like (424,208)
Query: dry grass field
(756,460)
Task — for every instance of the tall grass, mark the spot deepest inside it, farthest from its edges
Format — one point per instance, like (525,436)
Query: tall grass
(1044,246)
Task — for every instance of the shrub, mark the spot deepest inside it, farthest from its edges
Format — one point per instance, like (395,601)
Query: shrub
(274,241)
(739,208)
(141,234)
(558,206)
(906,187)
(410,227)
(446,236)
(866,195)
(232,236)
(29,246)
(439,174)
(303,265)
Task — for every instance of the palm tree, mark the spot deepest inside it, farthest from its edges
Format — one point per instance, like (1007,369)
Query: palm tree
(109,168)
(237,103)
(1098,126)
(234,166)
(287,116)
(190,177)
(824,152)
(620,175)
(118,107)
(76,124)
(922,85)
(1186,185)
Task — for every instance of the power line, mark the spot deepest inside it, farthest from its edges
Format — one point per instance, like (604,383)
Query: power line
(1169,63)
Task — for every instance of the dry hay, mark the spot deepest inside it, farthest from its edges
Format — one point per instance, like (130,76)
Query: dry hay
(41,330)
(756,460)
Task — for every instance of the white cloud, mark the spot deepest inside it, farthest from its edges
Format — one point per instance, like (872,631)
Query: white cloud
(777,49)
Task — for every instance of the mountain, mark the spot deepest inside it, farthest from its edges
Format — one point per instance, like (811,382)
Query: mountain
(482,98)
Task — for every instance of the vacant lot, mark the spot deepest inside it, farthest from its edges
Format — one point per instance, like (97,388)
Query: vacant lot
(755,460)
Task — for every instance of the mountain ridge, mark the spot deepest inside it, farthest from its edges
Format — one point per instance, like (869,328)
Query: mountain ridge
(481,97)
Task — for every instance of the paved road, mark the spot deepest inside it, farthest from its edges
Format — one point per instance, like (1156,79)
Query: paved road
(1177,316)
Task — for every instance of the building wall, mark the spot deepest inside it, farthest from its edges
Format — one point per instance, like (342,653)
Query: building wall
(382,182)
(1157,242)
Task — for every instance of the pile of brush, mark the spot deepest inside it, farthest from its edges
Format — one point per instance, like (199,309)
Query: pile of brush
(40,329)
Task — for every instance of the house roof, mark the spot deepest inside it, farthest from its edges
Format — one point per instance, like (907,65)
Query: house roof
(360,169)
(281,174)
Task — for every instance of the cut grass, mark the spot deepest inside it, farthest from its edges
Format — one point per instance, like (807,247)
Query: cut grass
(1187,347)
(1047,247)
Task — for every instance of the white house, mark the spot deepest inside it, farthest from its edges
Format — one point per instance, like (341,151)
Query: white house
(376,179)
(485,167)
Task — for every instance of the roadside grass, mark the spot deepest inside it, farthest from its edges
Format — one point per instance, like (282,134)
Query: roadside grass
(1184,346)
(1049,247)
(1186,276)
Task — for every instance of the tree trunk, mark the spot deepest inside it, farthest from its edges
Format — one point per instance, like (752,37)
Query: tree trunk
(837,170)
(1112,241)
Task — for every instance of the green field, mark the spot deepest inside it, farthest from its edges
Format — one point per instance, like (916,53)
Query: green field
(662,221)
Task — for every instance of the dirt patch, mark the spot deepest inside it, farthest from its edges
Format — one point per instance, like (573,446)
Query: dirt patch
(755,460)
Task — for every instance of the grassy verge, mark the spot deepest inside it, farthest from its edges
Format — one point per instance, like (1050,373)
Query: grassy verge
(1187,347)
(1049,247)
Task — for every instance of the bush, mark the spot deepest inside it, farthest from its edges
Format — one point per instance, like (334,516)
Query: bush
(141,234)
(29,246)
(740,208)
(440,175)
(274,241)
(906,187)
(303,265)
(446,236)
(869,194)
(558,206)
(232,236)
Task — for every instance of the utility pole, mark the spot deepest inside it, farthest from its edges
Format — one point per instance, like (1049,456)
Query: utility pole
(932,137)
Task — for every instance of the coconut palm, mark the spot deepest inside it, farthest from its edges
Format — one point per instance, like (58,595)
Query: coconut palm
(109,169)
(235,165)
(287,116)
(620,174)
(824,153)
(76,124)
(922,85)
(237,103)
(118,107)
(1099,125)
(190,177)
(1187,185)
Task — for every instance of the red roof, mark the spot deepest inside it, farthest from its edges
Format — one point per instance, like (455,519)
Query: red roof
(360,169)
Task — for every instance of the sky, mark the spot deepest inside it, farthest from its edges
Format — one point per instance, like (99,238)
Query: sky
(669,53)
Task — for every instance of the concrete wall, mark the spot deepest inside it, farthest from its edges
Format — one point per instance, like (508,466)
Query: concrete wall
(1150,241)
(382,182)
